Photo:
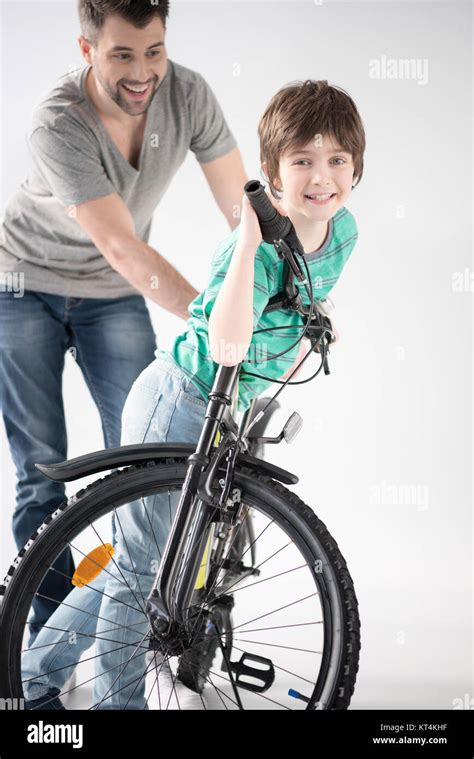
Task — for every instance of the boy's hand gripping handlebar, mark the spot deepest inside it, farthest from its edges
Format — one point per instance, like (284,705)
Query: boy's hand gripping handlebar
(276,229)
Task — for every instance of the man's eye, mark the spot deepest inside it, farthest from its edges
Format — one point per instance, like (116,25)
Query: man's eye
(301,160)
(123,56)
(340,159)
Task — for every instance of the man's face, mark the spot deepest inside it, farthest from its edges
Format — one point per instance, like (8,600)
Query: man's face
(318,168)
(127,56)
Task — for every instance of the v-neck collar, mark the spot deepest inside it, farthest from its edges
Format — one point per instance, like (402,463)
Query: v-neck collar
(328,239)
(105,132)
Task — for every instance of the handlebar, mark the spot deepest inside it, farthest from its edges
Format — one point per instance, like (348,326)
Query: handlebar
(273,225)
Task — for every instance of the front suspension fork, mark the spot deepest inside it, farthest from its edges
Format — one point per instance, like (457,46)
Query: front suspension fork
(171,595)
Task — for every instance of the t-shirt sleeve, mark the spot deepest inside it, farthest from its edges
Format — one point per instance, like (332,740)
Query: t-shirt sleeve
(337,259)
(70,165)
(263,281)
(211,135)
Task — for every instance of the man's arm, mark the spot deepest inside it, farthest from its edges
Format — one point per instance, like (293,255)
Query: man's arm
(109,224)
(226,177)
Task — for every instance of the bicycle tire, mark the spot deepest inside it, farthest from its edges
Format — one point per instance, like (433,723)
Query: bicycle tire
(102,496)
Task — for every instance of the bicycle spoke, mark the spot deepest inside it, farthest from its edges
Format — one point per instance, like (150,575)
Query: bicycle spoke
(76,608)
(214,584)
(279,627)
(120,664)
(68,632)
(126,664)
(84,683)
(132,564)
(117,566)
(137,679)
(151,528)
(157,679)
(267,614)
(255,693)
(101,592)
(138,683)
(257,582)
(81,661)
(219,692)
(278,645)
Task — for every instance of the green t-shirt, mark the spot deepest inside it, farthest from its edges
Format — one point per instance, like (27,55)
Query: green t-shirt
(190,350)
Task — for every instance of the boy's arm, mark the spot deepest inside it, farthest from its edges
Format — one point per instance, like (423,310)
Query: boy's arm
(231,318)
(231,322)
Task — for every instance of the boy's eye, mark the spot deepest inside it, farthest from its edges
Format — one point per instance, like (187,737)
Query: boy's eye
(303,160)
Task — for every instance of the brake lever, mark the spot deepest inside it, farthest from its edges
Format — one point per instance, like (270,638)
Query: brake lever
(320,334)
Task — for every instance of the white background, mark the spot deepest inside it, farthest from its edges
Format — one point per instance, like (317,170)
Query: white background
(385,454)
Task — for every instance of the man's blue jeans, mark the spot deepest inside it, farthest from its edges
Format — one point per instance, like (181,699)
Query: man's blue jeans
(113,341)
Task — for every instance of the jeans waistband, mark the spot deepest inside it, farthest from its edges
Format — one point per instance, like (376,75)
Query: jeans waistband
(167,363)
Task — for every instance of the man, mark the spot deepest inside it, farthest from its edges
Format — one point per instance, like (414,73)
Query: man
(105,143)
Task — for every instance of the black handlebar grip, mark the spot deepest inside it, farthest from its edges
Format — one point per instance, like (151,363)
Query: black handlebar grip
(273,225)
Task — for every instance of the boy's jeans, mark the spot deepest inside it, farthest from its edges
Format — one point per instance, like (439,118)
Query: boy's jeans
(163,405)
(112,342)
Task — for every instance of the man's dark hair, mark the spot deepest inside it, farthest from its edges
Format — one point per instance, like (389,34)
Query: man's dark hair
(92,14)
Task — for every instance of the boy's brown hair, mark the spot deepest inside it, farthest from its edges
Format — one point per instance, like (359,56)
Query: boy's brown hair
(298,112)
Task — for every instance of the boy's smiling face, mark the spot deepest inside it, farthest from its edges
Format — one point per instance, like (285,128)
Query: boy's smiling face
(310,173)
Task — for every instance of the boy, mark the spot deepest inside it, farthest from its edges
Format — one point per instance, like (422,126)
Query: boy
(312,143)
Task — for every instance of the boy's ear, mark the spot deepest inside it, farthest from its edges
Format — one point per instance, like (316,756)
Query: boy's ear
(276,182)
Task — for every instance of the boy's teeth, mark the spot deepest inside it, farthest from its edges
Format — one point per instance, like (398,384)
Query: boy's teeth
(320,197)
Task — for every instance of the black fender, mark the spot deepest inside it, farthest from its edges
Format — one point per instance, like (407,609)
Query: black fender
(125,455)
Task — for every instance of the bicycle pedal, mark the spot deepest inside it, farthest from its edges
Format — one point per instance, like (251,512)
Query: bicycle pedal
(265,676)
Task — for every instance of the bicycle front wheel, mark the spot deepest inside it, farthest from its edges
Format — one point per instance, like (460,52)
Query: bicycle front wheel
(276,621)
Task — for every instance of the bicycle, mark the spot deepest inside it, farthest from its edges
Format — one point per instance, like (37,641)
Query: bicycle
(210,599)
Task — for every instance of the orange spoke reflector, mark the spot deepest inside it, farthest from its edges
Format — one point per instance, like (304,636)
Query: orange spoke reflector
(92,565)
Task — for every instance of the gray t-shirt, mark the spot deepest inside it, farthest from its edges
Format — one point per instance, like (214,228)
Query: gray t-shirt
(74,159)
